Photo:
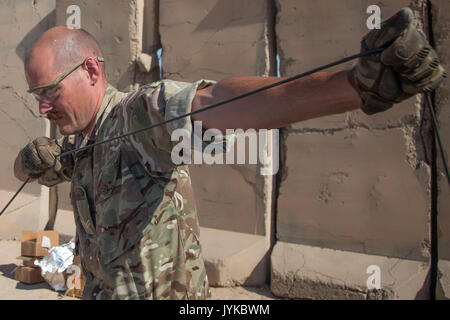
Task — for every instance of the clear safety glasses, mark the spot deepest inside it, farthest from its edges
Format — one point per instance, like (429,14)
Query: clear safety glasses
(49,92)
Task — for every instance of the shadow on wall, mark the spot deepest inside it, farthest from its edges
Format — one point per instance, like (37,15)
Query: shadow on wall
(19,96)
(224,14)
(46,23)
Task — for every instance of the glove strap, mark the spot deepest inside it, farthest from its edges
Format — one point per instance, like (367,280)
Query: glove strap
(373,104)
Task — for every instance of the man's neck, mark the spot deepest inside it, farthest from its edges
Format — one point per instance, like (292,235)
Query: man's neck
(88,130)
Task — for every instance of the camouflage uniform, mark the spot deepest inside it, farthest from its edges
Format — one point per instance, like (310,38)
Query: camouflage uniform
(135,215)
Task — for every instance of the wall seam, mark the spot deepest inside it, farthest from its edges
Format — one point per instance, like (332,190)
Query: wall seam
(273,53)
(434,185)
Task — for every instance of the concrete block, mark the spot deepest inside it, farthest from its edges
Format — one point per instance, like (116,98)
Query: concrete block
(230,197)
(147,62)
(118,27)
(356,190)
(307,272)
(213,40)
(216,39)
(443,280)
(233,258)
(21,23)
(441,27)
(315,33)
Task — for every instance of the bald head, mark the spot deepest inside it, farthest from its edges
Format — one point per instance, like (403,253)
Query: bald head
(74,101)
(62,47)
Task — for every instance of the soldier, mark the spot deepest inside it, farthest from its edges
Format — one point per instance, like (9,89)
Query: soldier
(136,222)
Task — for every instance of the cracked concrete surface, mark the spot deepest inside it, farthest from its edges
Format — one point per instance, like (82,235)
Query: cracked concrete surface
(320,273)
(207,43)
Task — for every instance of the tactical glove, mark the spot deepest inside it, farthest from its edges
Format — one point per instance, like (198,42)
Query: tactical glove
(39,156)
(406,67)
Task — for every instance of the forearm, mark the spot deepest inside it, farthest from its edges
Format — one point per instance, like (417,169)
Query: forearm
(310,97)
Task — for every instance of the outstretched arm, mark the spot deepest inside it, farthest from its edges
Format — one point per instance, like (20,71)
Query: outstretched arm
(408,65)
(316,95)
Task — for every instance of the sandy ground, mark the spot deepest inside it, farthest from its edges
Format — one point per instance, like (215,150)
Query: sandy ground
(11,289)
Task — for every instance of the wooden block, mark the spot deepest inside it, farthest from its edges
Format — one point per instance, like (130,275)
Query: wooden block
(28,275)
(28,261)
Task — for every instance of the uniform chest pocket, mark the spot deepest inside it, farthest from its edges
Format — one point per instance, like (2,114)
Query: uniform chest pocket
(109,177)
(79,198)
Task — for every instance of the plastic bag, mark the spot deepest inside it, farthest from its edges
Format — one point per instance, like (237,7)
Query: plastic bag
(55,262)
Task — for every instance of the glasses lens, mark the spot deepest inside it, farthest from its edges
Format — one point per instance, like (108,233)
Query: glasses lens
(52,93)
(46,95)
(38,97)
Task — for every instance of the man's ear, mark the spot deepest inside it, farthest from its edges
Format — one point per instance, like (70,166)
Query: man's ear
(93,69)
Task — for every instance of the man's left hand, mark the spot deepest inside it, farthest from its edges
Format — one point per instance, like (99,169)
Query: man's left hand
(407,66)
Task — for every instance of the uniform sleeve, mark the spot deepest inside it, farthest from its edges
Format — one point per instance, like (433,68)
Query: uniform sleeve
(166,101)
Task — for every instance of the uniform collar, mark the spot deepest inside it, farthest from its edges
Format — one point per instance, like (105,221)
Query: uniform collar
(110,98)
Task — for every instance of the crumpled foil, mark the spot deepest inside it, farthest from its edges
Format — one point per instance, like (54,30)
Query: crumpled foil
(55,262)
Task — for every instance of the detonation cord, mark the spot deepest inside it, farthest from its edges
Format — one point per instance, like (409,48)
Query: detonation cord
(15,195)
(438,136)
(298,76)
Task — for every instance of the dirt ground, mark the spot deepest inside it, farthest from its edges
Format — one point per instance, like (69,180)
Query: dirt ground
(11,289)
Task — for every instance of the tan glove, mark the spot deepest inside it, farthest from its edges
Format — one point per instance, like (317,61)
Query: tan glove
(40,155)
(406,67)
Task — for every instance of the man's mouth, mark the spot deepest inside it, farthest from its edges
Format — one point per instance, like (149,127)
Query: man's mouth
(54,116)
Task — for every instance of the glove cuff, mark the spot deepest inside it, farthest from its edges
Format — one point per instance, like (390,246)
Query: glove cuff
(371,104)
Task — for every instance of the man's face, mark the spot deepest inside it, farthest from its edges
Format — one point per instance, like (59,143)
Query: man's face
(73,107)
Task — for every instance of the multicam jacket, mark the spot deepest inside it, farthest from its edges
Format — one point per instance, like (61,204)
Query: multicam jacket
(136,221)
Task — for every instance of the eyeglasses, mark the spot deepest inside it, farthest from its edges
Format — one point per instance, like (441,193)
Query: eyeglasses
(49,92)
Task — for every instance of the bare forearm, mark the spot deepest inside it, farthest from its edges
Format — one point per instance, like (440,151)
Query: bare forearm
(310,97)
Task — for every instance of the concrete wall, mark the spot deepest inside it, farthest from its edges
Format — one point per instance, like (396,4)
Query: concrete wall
(353,191)
(118,26)
(351,182)
(213,40)
(216,38)
(441,29)
(21,22)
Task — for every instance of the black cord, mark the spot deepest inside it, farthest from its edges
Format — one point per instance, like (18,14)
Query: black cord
(438,136)
(15,195)
(298,76)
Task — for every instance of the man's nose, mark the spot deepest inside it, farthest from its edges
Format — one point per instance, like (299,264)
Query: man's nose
(44,107)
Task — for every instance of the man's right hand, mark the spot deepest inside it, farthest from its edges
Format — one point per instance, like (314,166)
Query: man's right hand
(40,155)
